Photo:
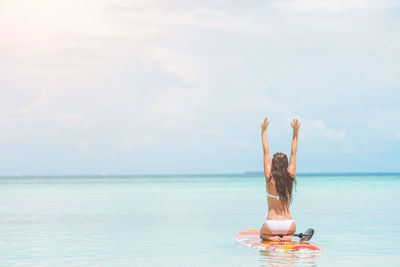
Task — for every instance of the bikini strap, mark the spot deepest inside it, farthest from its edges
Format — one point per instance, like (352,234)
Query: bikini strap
(269,195)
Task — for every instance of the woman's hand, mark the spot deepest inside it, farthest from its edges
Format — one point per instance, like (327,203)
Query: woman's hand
(275,239)
(264,125)
(295,125)
(287,238)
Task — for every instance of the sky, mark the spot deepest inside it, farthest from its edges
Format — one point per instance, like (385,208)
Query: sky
(165,86)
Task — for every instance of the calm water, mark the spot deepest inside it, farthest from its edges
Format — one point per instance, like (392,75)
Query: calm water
(192,221)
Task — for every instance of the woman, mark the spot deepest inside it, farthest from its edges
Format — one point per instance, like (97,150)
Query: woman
(279,177)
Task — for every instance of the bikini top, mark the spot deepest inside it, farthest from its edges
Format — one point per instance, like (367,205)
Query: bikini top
(276,197)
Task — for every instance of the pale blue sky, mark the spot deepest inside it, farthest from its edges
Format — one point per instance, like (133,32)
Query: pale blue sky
(131,87)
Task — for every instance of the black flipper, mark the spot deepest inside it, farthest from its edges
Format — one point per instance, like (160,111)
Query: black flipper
(307,235)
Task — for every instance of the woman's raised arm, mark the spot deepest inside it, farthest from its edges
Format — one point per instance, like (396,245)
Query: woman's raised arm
(292,162)
(267,159)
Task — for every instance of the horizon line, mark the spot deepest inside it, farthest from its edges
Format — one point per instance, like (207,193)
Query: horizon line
(246,173)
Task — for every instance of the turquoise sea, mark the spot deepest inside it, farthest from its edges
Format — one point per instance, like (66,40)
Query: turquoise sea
(192,220)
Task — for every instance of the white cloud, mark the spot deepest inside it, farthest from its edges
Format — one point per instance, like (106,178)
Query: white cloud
(83,145)
(332,6)
(148,138)
(110,72)
(125,143)
(73,55)
(129,142)
(161,18)
(318,129)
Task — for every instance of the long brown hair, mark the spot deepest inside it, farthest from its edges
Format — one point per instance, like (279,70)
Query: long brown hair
(283,180)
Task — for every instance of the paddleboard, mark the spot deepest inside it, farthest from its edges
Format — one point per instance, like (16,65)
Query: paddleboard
(251,238)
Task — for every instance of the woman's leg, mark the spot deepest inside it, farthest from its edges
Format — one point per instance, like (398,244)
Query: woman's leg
(292,229)
(267,235)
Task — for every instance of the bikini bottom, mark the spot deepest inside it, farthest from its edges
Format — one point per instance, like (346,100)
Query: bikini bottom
(279,227)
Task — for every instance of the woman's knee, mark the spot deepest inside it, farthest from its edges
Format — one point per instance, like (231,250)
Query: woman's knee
(265,229)
(265,232)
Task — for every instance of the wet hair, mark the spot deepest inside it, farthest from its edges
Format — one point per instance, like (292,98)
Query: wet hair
(283,180)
